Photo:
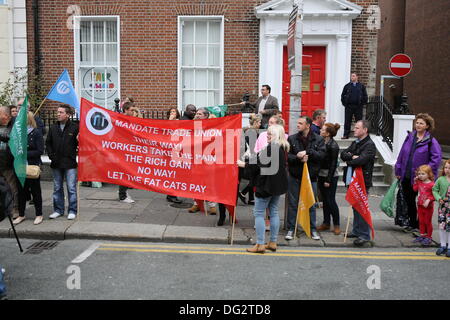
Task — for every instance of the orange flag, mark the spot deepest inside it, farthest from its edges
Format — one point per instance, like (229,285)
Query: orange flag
(305,202)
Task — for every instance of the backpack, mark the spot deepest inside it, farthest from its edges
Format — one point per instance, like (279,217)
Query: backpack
(5,199)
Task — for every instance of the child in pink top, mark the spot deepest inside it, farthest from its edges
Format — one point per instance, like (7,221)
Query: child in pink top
(423,183)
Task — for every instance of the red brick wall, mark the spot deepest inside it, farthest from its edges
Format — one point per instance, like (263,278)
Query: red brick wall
(149,45)
(427,43)
(364,47)
(390,41)
(418,28)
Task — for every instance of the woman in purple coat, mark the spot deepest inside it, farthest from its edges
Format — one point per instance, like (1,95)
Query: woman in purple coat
(418,149)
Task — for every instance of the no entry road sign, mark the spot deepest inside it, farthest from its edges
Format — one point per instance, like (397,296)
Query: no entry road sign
(400,65)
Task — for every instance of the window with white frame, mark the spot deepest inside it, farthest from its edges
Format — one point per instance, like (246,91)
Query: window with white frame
(200,61)
(97,65)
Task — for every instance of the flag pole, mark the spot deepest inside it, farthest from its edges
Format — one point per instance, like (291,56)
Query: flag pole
(348,223)
(37,110)
(296,224)
(232,228)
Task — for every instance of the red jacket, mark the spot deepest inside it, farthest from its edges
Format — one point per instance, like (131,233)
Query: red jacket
(425,191)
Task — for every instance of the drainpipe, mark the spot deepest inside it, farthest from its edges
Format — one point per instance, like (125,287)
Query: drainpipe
(37,43)
(11,39)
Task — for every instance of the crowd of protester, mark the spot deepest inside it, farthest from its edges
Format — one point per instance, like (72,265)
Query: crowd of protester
(313,144)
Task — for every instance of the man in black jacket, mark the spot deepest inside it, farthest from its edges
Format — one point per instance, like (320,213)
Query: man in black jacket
(62,147)
(361,153)
(353,97)
(305,146)
(6,157)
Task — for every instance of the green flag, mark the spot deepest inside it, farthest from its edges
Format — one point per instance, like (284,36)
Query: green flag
(218,111)
(18,143)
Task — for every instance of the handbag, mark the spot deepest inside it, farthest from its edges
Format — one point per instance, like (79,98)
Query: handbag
(33,172)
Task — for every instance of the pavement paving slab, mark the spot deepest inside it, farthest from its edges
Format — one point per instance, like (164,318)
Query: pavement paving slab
(5,226)
(196,235)
(116,231)
(152,218)
(49,230)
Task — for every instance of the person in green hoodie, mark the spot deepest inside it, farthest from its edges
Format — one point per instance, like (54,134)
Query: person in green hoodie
(441,192)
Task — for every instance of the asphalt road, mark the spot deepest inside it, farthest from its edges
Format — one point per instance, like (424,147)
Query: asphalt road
(82,269)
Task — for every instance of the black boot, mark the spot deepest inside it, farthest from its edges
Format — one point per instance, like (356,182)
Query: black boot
(173,199)
(222,216)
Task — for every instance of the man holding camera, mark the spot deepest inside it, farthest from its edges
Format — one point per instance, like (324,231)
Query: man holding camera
(266,105)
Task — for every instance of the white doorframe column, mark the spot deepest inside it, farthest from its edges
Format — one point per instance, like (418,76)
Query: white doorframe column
(341,78)
(271,74)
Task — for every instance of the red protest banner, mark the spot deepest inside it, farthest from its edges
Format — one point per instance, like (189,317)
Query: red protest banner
(186,158)
(357,197)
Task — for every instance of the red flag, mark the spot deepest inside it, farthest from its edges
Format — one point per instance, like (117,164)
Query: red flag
(357,197)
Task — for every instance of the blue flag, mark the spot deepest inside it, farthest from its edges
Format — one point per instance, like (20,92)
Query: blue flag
(63,91)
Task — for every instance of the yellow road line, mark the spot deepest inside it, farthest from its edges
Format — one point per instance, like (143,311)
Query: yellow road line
(278,250)
(276,254)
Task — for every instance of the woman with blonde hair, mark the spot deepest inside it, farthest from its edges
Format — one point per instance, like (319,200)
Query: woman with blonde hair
(269,175)
(34,152)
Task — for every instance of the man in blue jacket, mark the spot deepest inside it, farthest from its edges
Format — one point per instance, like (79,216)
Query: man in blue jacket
(353,98)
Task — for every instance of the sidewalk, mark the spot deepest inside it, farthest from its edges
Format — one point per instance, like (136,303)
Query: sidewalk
(152,218)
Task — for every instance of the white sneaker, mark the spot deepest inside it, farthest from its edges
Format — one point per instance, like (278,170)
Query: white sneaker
(127,200)
(55,215)
(71,216)
(289,235)
(315,235)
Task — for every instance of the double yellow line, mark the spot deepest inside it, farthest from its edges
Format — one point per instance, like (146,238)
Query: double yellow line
(280,252)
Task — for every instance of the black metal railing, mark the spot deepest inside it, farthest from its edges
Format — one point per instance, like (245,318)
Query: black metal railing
(379,114)
(49,116)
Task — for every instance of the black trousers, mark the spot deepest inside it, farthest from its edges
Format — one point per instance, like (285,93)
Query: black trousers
(32,186)
(330,207)
(350,111)
(123,192)
(410,198)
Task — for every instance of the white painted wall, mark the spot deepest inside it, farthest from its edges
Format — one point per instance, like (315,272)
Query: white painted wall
(4,43)
(13,39)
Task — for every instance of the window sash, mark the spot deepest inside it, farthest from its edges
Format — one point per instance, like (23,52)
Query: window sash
(205,69)
(97,62)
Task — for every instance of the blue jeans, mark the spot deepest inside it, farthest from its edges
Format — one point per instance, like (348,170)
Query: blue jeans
(360,227)
(293,195)
(58,190)
(2,284)
(259,211)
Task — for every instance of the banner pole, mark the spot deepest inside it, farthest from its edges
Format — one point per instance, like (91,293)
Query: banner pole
(348,223)
(78,197)
(37,110)
(232,228)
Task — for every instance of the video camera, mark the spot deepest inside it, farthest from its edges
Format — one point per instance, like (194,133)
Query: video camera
(247,108)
